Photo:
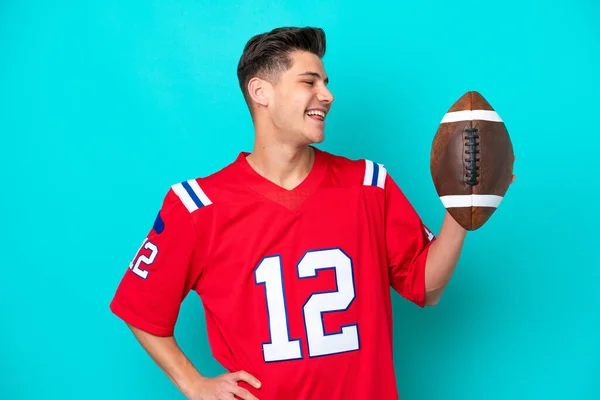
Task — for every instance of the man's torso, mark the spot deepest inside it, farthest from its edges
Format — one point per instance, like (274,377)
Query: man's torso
(295,286)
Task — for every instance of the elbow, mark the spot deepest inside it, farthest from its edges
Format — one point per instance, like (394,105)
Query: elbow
(431,301)
(432,297)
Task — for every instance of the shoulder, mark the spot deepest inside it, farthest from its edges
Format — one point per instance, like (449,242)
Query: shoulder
(360,171)
(199,194)
(189,194)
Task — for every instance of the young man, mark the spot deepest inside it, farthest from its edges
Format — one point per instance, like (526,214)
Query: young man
(291,249)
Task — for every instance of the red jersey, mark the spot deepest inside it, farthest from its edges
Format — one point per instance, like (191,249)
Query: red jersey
(295,283)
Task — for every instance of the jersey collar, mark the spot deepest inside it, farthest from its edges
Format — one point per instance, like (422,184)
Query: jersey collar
(290,198)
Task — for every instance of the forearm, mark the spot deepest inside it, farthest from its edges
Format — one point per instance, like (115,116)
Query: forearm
(442,258)
(170,358)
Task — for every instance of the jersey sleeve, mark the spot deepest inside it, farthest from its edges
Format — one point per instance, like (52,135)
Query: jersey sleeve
(407,243)
(162,272)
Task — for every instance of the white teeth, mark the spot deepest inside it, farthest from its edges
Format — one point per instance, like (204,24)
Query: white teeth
(316,112)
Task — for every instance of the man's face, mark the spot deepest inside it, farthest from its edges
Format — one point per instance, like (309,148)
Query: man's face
(300,100)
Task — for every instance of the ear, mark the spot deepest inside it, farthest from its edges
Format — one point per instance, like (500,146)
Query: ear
(260,91)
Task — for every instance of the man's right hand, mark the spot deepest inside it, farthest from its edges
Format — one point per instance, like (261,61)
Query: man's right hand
(166,353)
(225,387)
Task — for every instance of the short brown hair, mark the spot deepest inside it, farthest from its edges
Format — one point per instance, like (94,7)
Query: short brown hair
(266,55)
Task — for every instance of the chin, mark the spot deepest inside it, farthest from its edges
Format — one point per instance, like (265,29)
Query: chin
(314,137)
(319,139)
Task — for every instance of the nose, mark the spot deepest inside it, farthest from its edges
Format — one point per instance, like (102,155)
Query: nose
(325,95)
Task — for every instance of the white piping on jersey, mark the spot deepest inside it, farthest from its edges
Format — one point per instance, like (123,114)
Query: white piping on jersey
(191,195)
(375,174)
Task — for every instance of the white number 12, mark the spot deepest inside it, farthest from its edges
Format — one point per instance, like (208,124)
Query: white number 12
(282,347)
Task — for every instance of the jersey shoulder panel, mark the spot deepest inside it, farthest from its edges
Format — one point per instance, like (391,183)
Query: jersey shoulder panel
(361,171)
(191,194)
(202,192)
(227,187)
(375,174)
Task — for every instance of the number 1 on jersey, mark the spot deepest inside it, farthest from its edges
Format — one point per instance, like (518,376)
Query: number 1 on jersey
(282,347)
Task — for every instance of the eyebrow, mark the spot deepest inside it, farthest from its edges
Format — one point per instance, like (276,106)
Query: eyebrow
(315,74)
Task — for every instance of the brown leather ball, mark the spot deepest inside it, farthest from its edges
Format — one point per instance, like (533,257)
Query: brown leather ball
(471,160)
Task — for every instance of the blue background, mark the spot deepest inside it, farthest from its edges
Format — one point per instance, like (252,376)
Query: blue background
(103,105)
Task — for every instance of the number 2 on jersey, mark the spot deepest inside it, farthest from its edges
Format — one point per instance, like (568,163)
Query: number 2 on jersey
(282,347)
(141,258)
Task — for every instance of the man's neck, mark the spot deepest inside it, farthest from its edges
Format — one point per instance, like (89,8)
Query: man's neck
(285,165)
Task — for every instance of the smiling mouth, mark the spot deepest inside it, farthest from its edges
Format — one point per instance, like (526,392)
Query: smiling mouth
(317,115)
